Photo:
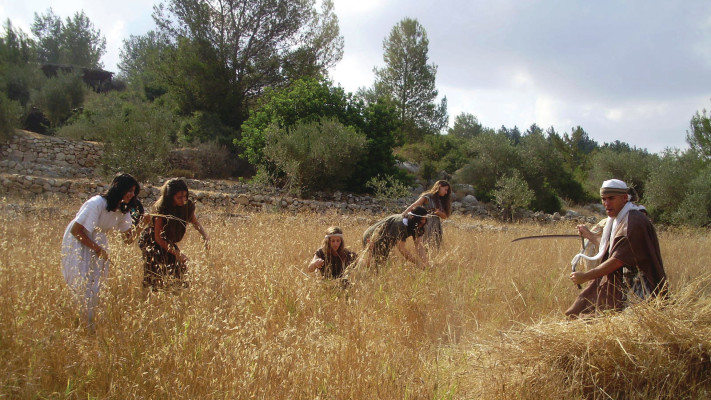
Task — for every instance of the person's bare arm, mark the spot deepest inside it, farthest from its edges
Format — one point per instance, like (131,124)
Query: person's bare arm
(79,232)
(420,201)
(316,263)
(603,269)
(159,224)
(591,236)
(421,252)
(199,228)
(419,260)
(441,214)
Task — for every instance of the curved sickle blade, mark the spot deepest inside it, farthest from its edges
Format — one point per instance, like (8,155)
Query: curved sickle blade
(546,237)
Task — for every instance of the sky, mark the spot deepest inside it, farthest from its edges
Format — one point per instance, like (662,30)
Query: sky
(633,71)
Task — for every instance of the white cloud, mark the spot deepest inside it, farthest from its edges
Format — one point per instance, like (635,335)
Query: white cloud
(614,114)
(546,111)
(522,79)
(352,73)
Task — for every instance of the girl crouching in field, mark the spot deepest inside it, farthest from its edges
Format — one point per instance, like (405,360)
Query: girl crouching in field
(332,259)
(164,261)
(85,257)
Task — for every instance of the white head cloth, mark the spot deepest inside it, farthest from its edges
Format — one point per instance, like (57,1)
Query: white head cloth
(612,224)
(404,220)
(340,235)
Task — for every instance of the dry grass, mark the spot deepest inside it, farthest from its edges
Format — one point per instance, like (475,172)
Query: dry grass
(485,322)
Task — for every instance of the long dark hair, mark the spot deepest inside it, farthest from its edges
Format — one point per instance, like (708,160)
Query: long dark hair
(416,215)
(164,204)
(326,244)
(446,200)
(120,185)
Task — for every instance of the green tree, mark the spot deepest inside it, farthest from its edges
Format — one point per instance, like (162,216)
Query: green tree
(632,166)
(695,208)
(15,46)
(47,28)
(512,192)
(699,137)
(18,73)
(670,181)
(10,112)
(409,81)
(543,167)
(466,126)
(73,42)
(493,156)
(308,101)
(60,95)
(140,57)
(221,57)
(575,149)
(379,126)
(81,43)
(514,134)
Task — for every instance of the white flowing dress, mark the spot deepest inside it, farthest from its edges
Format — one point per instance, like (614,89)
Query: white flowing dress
(82,269)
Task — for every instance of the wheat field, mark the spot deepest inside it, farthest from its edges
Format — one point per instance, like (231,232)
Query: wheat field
(486,321)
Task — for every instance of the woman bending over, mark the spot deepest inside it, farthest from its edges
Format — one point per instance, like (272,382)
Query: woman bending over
(164,262)
(438,203)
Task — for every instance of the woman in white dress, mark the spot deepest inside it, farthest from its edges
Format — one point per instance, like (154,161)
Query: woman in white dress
(85,257)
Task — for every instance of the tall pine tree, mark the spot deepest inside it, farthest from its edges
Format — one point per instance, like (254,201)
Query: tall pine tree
(409,81)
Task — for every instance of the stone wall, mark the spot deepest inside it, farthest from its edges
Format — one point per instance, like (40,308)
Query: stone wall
(32,154)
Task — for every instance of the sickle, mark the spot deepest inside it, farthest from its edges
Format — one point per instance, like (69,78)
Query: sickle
(557,237)
(546,237)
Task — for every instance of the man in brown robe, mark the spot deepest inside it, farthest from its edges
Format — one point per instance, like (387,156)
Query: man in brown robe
(631,266)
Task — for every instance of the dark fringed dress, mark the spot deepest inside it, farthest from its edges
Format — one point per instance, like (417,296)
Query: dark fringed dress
(433,229)
(162,268)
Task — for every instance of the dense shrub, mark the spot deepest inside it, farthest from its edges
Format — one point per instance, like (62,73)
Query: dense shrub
(494,156)
(203,127)
(19,81)
(137,135)
(632,166)
(60,95)
(9,116)
(314,156)
(138,141)
(511,193)
(215,160)
(387,187)
(437,153)
(695,208)
(670,182)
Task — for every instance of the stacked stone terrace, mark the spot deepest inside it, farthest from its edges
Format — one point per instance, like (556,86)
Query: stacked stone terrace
(29,153)
(33,164)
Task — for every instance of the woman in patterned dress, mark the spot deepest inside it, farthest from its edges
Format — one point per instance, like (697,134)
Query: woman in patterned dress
(164,262)
(438,203)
